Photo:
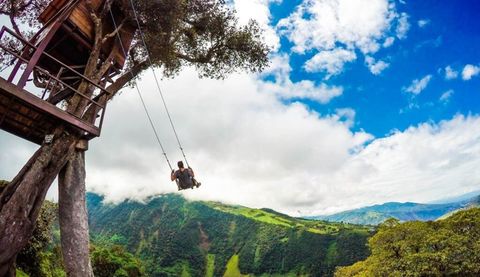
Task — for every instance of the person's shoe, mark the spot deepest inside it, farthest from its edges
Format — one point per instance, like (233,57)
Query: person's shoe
(199,184)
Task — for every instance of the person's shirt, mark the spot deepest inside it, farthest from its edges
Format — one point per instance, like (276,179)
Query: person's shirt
(184,176)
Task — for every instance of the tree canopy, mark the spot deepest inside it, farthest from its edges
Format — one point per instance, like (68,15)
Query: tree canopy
(200,33)
(203,33)
(449,247)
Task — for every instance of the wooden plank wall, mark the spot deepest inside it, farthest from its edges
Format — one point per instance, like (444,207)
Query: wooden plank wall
(80,19)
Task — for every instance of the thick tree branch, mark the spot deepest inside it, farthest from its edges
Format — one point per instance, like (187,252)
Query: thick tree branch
(14,12)
(106,8)
(23,7)
(113,89)
(202,58)
(114,33)
(91,64)
(131,54)
(15,26)
(187,58)
(126,77)
(106,64)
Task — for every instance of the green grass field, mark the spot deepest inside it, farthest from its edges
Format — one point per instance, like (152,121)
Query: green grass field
(210,265)
(232,268)
(312,226)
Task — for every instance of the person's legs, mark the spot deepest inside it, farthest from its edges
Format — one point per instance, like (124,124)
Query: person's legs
(196,183)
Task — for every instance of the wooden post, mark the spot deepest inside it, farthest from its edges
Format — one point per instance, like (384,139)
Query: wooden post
(38,53)
(73,216)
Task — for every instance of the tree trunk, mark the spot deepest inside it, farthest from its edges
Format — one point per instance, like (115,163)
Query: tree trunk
(73,217)
(22,199)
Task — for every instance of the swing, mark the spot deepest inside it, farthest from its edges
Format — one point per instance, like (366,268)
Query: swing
(193,183)
(188,180)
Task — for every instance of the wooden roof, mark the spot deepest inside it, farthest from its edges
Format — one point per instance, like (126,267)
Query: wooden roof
(81,22)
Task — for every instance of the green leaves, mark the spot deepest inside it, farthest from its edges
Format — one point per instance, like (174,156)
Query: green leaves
(115,261)
(439,248)
(200,33)
(33,259)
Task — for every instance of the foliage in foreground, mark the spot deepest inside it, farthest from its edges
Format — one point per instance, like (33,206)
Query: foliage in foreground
(439,248)
(115,261)
(42,256)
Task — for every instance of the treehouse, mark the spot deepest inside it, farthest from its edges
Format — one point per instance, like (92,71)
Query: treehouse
(45,72)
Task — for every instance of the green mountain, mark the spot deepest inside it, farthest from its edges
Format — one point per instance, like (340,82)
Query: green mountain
(374,215)
(176,237)
(448,247)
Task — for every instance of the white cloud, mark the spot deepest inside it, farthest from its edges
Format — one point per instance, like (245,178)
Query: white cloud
(450,73)
(346,115)
(329,27)
(246,146)
(376,67)
(388,42)
(423,22)
(418,85)
(403,26)
(304,89)
(259,11)
(470,71)
(419,164)
(331,61)
(445,97)
(284,88)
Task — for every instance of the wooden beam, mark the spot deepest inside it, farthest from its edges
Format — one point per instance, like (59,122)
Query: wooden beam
(45,107)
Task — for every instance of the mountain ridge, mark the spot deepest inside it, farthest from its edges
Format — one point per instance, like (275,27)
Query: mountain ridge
(174,236)
(403,211)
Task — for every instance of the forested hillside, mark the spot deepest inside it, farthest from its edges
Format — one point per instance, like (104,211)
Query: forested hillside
(174,237)
(449,247)
(170,236)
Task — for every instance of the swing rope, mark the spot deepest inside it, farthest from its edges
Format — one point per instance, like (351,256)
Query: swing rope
(157,82)
(141,97)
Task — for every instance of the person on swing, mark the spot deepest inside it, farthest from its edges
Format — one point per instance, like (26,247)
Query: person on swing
(184,177)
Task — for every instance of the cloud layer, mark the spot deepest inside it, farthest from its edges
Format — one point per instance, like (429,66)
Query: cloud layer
(250,148)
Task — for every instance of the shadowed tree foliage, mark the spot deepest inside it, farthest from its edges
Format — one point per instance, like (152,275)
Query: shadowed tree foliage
(41,257)
(23,12)
(200,33)
(115,261)
(204,34)
(449,247)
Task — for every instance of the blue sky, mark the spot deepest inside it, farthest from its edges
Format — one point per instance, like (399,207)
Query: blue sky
(364,102)
(441,34)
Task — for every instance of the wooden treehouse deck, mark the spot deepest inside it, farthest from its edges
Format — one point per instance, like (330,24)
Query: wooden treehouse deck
(55,59)
(29,117)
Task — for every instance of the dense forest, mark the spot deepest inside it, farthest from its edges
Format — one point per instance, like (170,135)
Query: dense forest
(170,236)
(175,237)
(448,247)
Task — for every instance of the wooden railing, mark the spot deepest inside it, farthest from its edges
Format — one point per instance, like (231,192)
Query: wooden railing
(54,84)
